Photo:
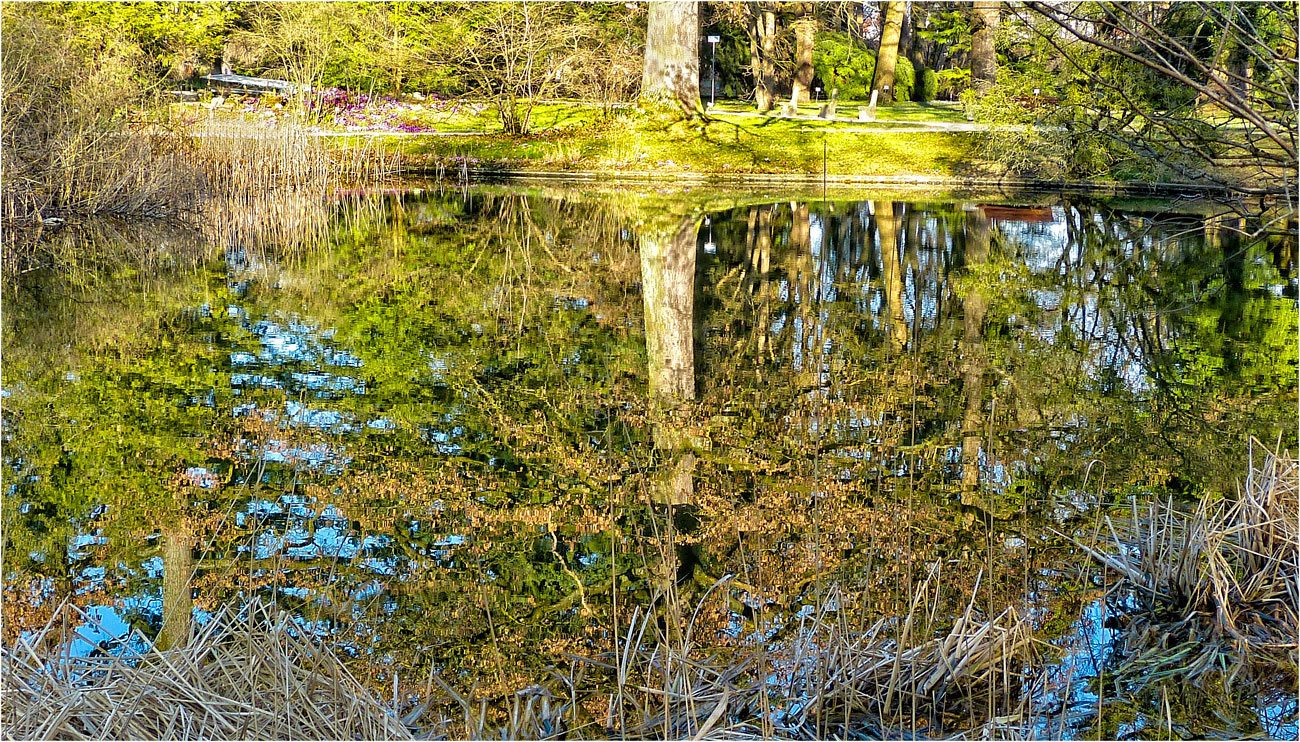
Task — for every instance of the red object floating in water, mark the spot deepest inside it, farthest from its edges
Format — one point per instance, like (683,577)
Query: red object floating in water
(1036,214)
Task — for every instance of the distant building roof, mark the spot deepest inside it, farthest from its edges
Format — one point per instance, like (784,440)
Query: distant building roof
(253,83)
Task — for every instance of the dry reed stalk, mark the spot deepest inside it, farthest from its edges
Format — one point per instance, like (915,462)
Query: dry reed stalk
(827,681)
(271,187)
(254,674)
(240,184)
(243,159)
(657,684)
(1220,584)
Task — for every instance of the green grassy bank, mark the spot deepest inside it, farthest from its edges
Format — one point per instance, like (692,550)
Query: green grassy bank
(905,140)
(718,147)
(726,143)
(906,144)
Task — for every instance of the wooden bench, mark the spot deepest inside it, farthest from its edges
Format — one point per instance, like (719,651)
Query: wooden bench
(251,85)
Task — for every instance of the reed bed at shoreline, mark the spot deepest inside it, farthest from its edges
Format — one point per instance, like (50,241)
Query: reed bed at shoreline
(885,682)
(251,672)
(246,674)
(238,184)
(243,158)
(1217,586)
(1214,595)
(890,681)
(269,187)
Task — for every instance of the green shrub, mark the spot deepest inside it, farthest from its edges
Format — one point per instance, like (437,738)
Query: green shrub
(844,65)
(952,81)
(1042,140)
(928,90)
(904,80)
(850,67)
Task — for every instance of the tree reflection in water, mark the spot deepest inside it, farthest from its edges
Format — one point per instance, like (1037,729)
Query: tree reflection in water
(473,433)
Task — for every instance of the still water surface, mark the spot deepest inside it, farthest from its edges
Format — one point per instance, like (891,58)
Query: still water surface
(475,430)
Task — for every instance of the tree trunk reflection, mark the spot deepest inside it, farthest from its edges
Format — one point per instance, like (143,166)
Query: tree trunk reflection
(974,308)
(178,603)
(668,290)
(891,273)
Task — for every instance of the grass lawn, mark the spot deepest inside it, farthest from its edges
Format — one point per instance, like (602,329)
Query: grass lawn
(572,137)
(549,116)
(582,137)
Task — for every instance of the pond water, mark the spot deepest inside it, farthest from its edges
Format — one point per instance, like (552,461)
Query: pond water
(475,430)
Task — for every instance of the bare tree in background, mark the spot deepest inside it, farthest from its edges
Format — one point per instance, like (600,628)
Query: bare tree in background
(805,34)
(297,40)
(762,30)
(1239,59)
(759,20)
(887,59)
(512,54)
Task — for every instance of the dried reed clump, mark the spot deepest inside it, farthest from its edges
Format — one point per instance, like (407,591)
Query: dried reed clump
(234,185)
(81,137)
(1220,584)
(880,683)
(265,187)
(886,681)
(74,138)
(245,675)
(889,681)
(245,160)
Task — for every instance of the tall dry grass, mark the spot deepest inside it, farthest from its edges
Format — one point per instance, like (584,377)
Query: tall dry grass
(84,136)
(236,184)
(267,186)
(892,680)
(75,137)
(250,673)
(1218,585)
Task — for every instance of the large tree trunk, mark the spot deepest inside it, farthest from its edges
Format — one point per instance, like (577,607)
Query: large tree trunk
(985,15)
(674,482)
(887,59)
(891,274)
(906,37)
(805,36)
(758,241)
(672,53)
(1226,53)
(668,290)
(919,51)
(762,51)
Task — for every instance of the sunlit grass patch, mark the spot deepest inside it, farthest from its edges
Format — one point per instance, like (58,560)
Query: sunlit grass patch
(719,146)
(899,112)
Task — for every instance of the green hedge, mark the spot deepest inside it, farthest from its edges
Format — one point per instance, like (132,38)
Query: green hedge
(904,80)
(850,66)
(928,90)
(843,64)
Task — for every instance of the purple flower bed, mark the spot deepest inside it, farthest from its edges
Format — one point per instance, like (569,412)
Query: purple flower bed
(357,111)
